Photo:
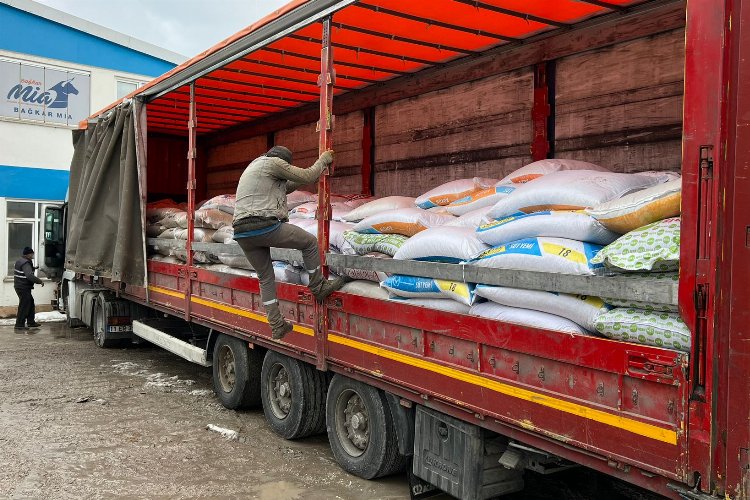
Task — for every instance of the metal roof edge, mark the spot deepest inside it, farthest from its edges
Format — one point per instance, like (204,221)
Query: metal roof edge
(305,14)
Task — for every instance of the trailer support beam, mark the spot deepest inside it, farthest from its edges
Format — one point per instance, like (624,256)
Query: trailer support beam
(192,124)
(325,142)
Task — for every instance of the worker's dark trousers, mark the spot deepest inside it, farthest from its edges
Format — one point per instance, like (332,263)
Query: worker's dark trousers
(26,308)
(258,252)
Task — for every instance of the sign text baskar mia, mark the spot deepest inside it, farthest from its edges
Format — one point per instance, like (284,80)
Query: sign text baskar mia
(43,94)
(55,97)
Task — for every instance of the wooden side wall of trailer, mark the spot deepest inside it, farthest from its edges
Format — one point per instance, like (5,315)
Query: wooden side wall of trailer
(480,128)
(621,106)
(227,162)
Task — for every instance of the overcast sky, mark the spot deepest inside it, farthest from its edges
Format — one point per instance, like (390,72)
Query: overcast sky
(183,26)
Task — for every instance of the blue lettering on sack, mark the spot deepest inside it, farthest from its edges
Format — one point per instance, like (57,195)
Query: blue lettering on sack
(507,220)
(414,284)
(526,246)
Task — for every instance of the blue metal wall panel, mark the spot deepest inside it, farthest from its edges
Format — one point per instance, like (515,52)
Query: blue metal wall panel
(26,33)
(33,183)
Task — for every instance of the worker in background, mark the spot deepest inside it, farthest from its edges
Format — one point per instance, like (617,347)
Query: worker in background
(260,222)
(23,282)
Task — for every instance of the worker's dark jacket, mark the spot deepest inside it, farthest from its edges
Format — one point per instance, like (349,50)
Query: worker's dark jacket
(23,275)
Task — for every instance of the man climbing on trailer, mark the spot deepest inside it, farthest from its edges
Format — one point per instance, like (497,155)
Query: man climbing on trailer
(260,222)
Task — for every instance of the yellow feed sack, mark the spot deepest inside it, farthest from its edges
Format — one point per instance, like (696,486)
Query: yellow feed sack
(640,208)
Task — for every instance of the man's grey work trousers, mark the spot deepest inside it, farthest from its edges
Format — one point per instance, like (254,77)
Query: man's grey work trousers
(258,251)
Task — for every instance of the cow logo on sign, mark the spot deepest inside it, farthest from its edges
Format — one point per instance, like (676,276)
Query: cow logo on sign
(29,93)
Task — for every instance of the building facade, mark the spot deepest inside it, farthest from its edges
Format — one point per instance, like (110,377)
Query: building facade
(55,70)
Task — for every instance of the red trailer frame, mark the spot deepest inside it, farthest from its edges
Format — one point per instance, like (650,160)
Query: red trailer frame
(646,415)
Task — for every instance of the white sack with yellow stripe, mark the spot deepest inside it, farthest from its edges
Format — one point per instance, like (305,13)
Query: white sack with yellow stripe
(428,288)
(547,255)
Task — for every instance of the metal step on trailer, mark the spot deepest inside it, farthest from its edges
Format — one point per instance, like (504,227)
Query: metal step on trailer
(171,343)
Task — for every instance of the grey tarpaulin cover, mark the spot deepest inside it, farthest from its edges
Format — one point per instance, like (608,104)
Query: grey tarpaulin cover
(105,222)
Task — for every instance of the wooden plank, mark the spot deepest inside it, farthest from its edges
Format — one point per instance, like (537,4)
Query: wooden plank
(617,287)
(621,106)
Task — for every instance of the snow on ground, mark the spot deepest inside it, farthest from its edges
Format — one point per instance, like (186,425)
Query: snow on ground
(43,317)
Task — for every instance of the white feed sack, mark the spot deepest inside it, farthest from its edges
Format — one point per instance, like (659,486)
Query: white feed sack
(297,198)
(378,206)
(287,273)
(452,191)
(362,274)
(472,219)
(640,208)
(479,199)
(450,245)
(655,247)
(659,329)
(365,289)
(223,202)
(544,167)
(446,305)
(549,255)
(526,317)
(231,260)
(569,190)
(581,309)
(571,225)
(404,221)
(224,235)
(363,244)
(429,288)
(336,241)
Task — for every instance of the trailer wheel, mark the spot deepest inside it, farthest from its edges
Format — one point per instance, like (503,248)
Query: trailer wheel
(236,370)
(361,430)
(101,335)
(294,396)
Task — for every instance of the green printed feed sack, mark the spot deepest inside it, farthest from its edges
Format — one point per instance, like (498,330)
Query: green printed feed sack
(546,255)
(429,288)
(655,247)
(659,329)
(366,243)
(644,279)
(581,309)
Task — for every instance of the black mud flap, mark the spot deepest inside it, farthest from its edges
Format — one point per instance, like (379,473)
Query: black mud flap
(419,488)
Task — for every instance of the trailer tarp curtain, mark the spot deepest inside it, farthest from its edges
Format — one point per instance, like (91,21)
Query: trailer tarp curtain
(105,235)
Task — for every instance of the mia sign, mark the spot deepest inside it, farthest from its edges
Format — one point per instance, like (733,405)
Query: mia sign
(48,95)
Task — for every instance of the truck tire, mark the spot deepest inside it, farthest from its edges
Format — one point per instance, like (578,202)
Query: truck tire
(353,409)
(294,396)
(99,326)
(236,373)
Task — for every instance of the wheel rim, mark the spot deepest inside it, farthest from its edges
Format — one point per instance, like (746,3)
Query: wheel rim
(352,423)
(280,391)
(99,327)
(227,375)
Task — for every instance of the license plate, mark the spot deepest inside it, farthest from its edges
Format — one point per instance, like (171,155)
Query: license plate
(117,329)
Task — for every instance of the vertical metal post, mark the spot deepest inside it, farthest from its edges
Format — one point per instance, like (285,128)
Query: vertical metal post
(325,141)
(541,112)
(368,150)
(191,184)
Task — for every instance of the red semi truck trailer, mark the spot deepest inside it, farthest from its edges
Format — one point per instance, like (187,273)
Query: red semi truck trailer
(410,95)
